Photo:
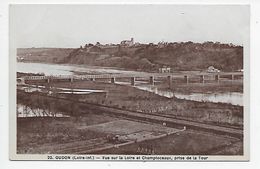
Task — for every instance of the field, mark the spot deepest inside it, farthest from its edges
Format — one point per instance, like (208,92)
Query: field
(92,133)
(185,143)
(36,133)
(126,127)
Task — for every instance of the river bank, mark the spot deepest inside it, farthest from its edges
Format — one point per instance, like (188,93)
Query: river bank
(221,87)
(133,99)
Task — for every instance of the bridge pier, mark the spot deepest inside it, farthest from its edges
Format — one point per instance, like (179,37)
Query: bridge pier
(202,78)
(186,79)
(132,81)
(113,80)
(151,80)
(232,77)
(169,78)
(217,78)
(48,80)
(92,79)
(71,79)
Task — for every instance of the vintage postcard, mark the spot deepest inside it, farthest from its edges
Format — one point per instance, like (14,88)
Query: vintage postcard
(143,82)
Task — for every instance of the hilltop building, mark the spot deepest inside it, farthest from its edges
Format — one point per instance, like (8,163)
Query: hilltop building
(127,42)
(162,44)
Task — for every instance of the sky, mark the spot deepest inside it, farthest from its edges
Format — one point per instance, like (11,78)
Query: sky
(75,25)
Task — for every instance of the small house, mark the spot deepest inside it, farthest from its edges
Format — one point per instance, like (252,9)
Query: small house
(165,69)
(211,69)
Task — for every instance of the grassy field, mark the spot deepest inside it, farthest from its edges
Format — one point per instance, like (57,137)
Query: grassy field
(68,135)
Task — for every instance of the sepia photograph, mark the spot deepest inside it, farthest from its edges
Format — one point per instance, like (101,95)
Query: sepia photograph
(129,82)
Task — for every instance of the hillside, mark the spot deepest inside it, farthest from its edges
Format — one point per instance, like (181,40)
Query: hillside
(146,57)
(179,56)
(47,55)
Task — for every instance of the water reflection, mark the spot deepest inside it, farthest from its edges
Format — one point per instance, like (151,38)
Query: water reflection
(26,111)
(33,88)
(155,90)
(233,98)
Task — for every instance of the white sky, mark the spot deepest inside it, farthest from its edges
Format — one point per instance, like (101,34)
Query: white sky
(75,25)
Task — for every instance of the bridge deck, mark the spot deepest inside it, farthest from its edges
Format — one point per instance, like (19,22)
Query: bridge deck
(141,75)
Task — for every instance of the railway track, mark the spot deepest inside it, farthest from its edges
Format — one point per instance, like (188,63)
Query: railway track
(177,122)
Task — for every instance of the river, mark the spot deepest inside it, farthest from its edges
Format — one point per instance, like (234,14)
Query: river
(234,98)
(55,69)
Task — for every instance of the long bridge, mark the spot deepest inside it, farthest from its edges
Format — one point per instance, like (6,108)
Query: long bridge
(151,76)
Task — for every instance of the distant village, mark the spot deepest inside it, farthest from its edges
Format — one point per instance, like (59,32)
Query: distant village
(127,43)
(160,44)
